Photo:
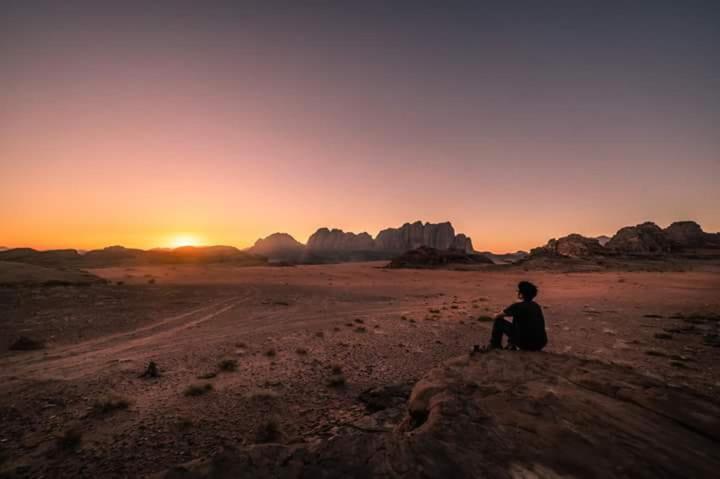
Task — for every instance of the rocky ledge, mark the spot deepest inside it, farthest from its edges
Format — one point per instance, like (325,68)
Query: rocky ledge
(505,415)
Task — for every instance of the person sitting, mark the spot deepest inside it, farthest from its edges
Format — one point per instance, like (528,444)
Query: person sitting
(527,329)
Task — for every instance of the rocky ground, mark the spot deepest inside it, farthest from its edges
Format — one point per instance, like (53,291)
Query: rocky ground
(278,362)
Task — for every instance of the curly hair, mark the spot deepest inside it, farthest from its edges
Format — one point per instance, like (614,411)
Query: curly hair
(527,290)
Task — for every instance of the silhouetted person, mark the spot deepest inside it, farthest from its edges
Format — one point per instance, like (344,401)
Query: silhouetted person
(527,329)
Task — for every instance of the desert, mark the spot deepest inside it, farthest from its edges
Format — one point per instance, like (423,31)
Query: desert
(254,358)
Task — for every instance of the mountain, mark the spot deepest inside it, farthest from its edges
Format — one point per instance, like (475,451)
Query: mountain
(572,245)
(338,240)
(414,235)
(120,256)
(505,258)
(602,239)
(645,238)
(279,247)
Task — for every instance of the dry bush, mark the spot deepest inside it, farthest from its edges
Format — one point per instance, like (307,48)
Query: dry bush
(301,351)
(198,389)
(70,439)
(360,329)
(336,381)
(485,318)
(271,353)
(268,430)
(227,365)
(110,404)
(320,334)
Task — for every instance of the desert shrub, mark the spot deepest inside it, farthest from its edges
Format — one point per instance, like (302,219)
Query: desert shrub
(240,345)
(23,343)
(271,353)
(434,311)
(360,329)
(262,395)
(209,375)
(268,430)
(359,321)
(120,283)
(336,369)
(320,334)
(336,381)
(110,404)
(198,389)
(70,439)
(227,365)
(485,318)
(151,281)
(301,351)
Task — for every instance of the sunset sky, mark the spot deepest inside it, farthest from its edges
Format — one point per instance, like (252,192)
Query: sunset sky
(222,122)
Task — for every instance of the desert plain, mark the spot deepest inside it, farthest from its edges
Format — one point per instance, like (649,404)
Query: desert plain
(248,356)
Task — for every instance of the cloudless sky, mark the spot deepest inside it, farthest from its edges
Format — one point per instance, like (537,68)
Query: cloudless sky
(135,122)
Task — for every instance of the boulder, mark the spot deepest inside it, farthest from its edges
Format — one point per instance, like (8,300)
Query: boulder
(507,415)
(644,239)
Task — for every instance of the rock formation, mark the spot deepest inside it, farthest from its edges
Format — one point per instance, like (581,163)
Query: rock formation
(602,239)
(689,234)
(502,415)
(413,235)
(573,246)
(337,240)
(426,257)
(278,247)
(644,239)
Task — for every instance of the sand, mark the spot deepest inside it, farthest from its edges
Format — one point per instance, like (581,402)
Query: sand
(288,328)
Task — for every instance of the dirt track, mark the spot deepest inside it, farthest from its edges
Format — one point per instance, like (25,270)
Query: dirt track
(379,326)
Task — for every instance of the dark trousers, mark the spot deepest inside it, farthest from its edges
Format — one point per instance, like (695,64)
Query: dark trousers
(500,327)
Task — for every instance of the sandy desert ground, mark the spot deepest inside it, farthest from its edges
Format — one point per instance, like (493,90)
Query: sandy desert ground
(275,343)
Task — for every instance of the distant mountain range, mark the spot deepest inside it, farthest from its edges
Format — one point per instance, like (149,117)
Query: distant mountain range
(646,240)
(334,245)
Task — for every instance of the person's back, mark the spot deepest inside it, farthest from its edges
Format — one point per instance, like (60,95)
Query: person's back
(527,329)
(528,325)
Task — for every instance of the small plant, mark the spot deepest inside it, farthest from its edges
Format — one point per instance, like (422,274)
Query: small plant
(268,430)
(336,381)
(151,371)
(434,311)
(227,365)
(110,404)
(207,375)
(360,329)
(198,389)
(301,351)
(320,334)
(271,353)
(485,318)
(70,439)
(359,321)
(23,343)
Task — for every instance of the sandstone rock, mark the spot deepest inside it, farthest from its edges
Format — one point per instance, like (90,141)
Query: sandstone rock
(645,238)
(337,240)
(573,246)
(414,235)
(508,414)
(426,257)
(278,247)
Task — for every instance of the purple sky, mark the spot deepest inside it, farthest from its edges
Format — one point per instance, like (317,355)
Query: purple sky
(226,121)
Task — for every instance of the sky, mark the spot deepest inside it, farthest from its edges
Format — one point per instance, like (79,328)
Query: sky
(156,123)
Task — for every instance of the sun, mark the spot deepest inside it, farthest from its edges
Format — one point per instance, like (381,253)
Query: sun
(180,240)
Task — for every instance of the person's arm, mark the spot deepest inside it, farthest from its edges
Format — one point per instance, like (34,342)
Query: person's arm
(509,311)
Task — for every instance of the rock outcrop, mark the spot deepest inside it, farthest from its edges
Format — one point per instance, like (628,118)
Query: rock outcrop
(414,235)
(573,246)
(507,415)
(338,240)
(689,235)
(643,239)
(426,257)
(278,247)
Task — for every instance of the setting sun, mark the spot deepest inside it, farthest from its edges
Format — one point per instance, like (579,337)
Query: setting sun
(184,240)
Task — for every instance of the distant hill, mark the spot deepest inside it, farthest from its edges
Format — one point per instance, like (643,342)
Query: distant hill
(426,257)
(121,256)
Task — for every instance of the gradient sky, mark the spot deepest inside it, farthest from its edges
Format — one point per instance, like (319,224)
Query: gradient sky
(517,121)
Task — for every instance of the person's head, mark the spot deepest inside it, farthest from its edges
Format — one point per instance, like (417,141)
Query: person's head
(527,291)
